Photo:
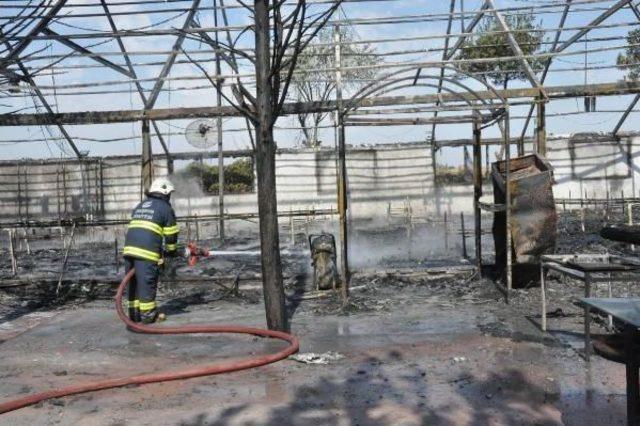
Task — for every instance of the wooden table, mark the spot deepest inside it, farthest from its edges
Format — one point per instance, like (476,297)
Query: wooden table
(628,312)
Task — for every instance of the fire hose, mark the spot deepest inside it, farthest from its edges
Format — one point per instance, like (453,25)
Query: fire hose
(205,370)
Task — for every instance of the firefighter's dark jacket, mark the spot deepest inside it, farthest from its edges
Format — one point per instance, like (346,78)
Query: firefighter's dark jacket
(152,222)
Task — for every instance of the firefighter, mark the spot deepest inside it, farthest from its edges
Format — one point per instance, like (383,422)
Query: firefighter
(151,236)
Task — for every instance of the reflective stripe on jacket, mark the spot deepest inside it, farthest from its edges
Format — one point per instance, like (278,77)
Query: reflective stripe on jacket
(153,222)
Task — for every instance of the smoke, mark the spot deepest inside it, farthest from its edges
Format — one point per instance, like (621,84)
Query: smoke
(379,244)
(397,246)
(187,186)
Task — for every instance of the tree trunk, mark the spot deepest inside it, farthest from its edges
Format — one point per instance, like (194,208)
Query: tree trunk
(266,171)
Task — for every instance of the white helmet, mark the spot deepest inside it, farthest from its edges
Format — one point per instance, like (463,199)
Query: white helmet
(162,185)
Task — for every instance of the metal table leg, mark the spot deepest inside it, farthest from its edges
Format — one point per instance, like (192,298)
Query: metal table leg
(543,297)
(609,295)
(633,380)
(587,318)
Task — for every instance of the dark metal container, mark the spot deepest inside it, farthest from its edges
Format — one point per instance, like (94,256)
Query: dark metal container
(533,216)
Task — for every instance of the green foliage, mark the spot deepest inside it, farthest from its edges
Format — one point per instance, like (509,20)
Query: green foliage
(489,45)
(317,83)
(238,176)
(629,60)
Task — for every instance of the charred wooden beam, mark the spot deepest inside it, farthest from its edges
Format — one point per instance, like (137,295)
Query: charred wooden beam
(124,116)
(409,121)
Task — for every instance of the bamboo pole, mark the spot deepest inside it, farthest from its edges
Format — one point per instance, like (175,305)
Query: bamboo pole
(477,190)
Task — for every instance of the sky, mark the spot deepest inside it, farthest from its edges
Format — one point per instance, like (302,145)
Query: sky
(68,86)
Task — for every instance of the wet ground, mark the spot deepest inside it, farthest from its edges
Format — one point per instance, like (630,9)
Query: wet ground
(428,344)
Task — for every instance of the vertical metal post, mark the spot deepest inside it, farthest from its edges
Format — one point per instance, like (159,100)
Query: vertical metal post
(630,222)
(507,156)
(147,160)
(221,233)
(291,225)
(541,130)
(219,132)
(64,188)
(58,192)
(631,336)
(84,182)
(342,169)
(477,189)
(446,233)
(96,188)
(116,258)
(464,236)
(12,253)
(19,195)
(587,318)
(101,172)
(26,240)
(582,215)
(26,191)
(543,297)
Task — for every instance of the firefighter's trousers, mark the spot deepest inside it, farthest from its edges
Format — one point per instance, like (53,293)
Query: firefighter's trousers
(142,289)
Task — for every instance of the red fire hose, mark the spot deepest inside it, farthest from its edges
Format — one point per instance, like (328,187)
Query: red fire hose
(206,370)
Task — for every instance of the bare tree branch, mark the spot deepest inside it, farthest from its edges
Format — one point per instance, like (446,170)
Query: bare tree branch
(317,24)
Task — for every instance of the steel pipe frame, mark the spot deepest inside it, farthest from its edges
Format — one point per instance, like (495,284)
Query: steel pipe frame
(139,88)
(515,47)
(30,81)
(25,42)
(636,98)
(593,24)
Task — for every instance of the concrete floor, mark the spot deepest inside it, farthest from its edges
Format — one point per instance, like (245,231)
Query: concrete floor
(469,361)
